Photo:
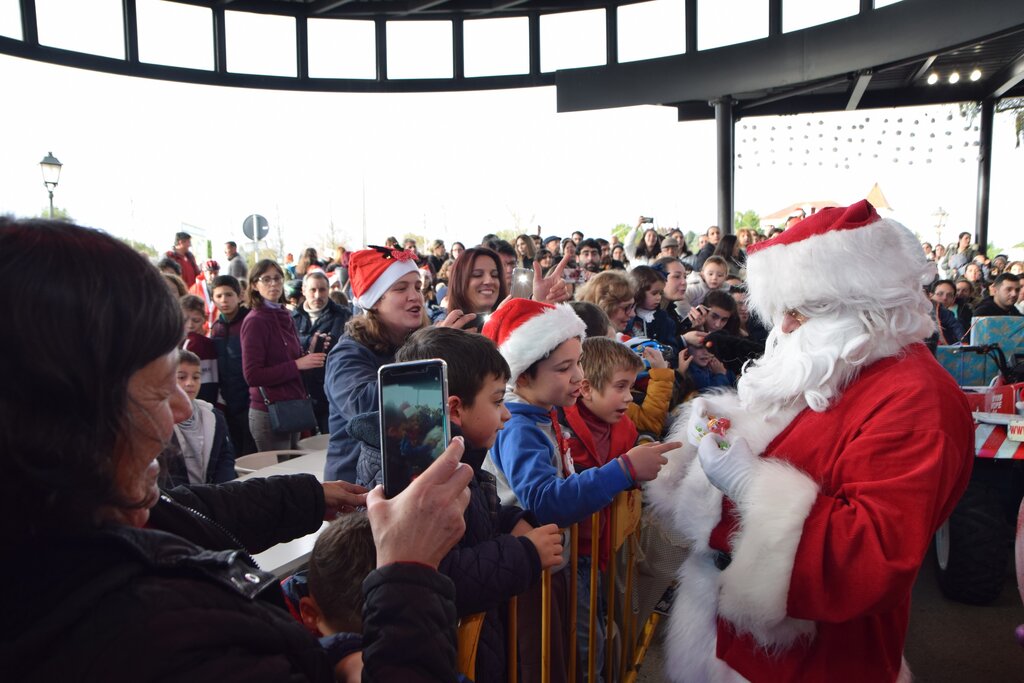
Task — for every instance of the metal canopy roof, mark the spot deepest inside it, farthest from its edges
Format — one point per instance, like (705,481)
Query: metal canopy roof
(878,58)
(407,9)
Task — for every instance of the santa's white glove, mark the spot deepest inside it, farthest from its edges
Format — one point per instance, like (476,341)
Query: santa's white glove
(729,467)
(697,426)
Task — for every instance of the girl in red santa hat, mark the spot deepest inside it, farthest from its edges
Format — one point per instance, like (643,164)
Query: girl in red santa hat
(847,447)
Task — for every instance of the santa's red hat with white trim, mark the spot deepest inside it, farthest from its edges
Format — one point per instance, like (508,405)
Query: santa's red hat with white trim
(848,255)
(372,272)
(527,331)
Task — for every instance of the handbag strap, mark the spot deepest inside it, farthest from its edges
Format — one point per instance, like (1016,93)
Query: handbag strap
(264,395)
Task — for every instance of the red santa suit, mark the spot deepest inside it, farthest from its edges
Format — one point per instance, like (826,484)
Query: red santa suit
(809,576)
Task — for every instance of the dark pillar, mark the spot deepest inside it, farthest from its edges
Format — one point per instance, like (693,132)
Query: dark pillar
(988,108)
(725,124)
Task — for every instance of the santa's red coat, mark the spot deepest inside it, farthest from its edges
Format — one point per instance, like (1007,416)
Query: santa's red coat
(829,540)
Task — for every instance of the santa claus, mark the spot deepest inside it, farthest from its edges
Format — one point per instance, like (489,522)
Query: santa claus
(843,449)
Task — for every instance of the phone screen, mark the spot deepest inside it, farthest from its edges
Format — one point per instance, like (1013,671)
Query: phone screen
(414,428)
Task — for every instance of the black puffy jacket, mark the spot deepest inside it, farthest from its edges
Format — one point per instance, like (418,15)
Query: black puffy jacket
(127,604)
(488,566)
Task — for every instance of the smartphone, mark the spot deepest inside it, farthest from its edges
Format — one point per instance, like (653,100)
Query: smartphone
(522,283)
(646,219)
(320,342)
(414,427)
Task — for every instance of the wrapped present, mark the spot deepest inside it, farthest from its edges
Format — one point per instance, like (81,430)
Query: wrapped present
(1005,330)
(968,369)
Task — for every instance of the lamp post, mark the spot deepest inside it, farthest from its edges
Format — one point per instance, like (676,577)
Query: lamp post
(51,174)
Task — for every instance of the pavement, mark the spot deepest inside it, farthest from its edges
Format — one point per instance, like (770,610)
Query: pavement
(947,642)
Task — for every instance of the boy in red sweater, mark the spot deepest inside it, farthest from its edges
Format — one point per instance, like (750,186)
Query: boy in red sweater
(598,431)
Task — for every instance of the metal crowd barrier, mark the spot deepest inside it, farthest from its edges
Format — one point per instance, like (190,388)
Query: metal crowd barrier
(624,531)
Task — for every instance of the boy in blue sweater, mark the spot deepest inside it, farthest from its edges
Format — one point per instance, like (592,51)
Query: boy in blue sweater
(530,459)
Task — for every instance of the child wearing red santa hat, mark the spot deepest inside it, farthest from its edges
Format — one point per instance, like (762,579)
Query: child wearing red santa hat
(542,344)
(848,447)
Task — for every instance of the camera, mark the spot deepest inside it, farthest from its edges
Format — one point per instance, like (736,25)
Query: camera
(646,219)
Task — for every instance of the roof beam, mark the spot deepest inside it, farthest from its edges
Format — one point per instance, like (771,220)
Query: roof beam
(1009,76)
(857,91)
(423,6)
(325,6)
(926,65)
(497,6)
(904,31)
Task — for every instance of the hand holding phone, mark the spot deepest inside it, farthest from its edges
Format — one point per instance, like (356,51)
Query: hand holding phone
(319,342)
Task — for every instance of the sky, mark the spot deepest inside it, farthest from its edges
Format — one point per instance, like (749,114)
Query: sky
(144,159)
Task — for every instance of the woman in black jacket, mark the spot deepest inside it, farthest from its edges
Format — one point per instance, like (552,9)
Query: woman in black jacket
(110,579)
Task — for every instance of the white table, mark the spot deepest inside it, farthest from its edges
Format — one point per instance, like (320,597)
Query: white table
(285,559)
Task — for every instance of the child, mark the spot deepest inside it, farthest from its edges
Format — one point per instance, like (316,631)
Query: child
(598,429)
(226,334)
(648,285)
(199,451)
(712,277)
(332,602)
(707,372)
(194,310)
(501,554)
(531,458)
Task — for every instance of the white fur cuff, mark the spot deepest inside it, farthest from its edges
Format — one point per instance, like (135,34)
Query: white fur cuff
(755,586)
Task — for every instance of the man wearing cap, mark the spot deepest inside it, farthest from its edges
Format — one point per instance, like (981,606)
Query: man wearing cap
(182,255)
(811,506)
(669,248)
(553,243)
(203,288)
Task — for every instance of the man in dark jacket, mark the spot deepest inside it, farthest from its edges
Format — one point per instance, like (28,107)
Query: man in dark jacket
(1005,290)
(318,315)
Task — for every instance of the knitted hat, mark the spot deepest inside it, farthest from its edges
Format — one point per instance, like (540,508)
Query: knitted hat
(527,331)
(372,271)
(839,254)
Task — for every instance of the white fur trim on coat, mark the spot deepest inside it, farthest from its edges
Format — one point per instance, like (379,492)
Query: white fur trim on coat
(539,336)
(755,586)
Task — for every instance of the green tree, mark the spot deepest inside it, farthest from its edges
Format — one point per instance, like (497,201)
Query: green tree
(970,111)
(621,230)
(141,247)
(691,240)
(421,241)
(509,235)
(59,214)
(747,219)
(993,251)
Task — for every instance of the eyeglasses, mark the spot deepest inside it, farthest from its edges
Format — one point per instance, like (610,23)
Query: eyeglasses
(270,280)
(796,315)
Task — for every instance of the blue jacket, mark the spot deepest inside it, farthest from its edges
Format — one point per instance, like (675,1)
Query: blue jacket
(351,387)
(227,338)
(529,473)
(704,379)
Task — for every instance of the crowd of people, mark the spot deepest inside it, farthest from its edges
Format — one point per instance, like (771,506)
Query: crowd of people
(578,368)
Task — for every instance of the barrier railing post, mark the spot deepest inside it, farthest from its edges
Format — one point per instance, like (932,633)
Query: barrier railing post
(574,549)
(595,543)
(513,630)
(628,646)
(612,536)
(545,627)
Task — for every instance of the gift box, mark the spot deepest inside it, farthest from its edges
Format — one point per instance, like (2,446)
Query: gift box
(1005,330)
(969,369)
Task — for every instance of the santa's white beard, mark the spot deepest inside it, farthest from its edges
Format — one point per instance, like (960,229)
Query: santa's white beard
(809,366)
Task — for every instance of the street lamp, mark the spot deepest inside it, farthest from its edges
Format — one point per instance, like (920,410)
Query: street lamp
(51,174)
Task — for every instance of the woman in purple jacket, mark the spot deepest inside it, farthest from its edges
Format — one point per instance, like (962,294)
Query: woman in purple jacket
(271,355)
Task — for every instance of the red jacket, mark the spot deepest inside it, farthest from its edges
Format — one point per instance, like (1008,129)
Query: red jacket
(583,450)
(189,267)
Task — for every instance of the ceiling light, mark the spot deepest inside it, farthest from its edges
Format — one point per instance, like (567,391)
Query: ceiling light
(933,78)
(954,77)
(976,74)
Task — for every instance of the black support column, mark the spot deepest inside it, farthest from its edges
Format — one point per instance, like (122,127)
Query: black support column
(725,125)
(988,108)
